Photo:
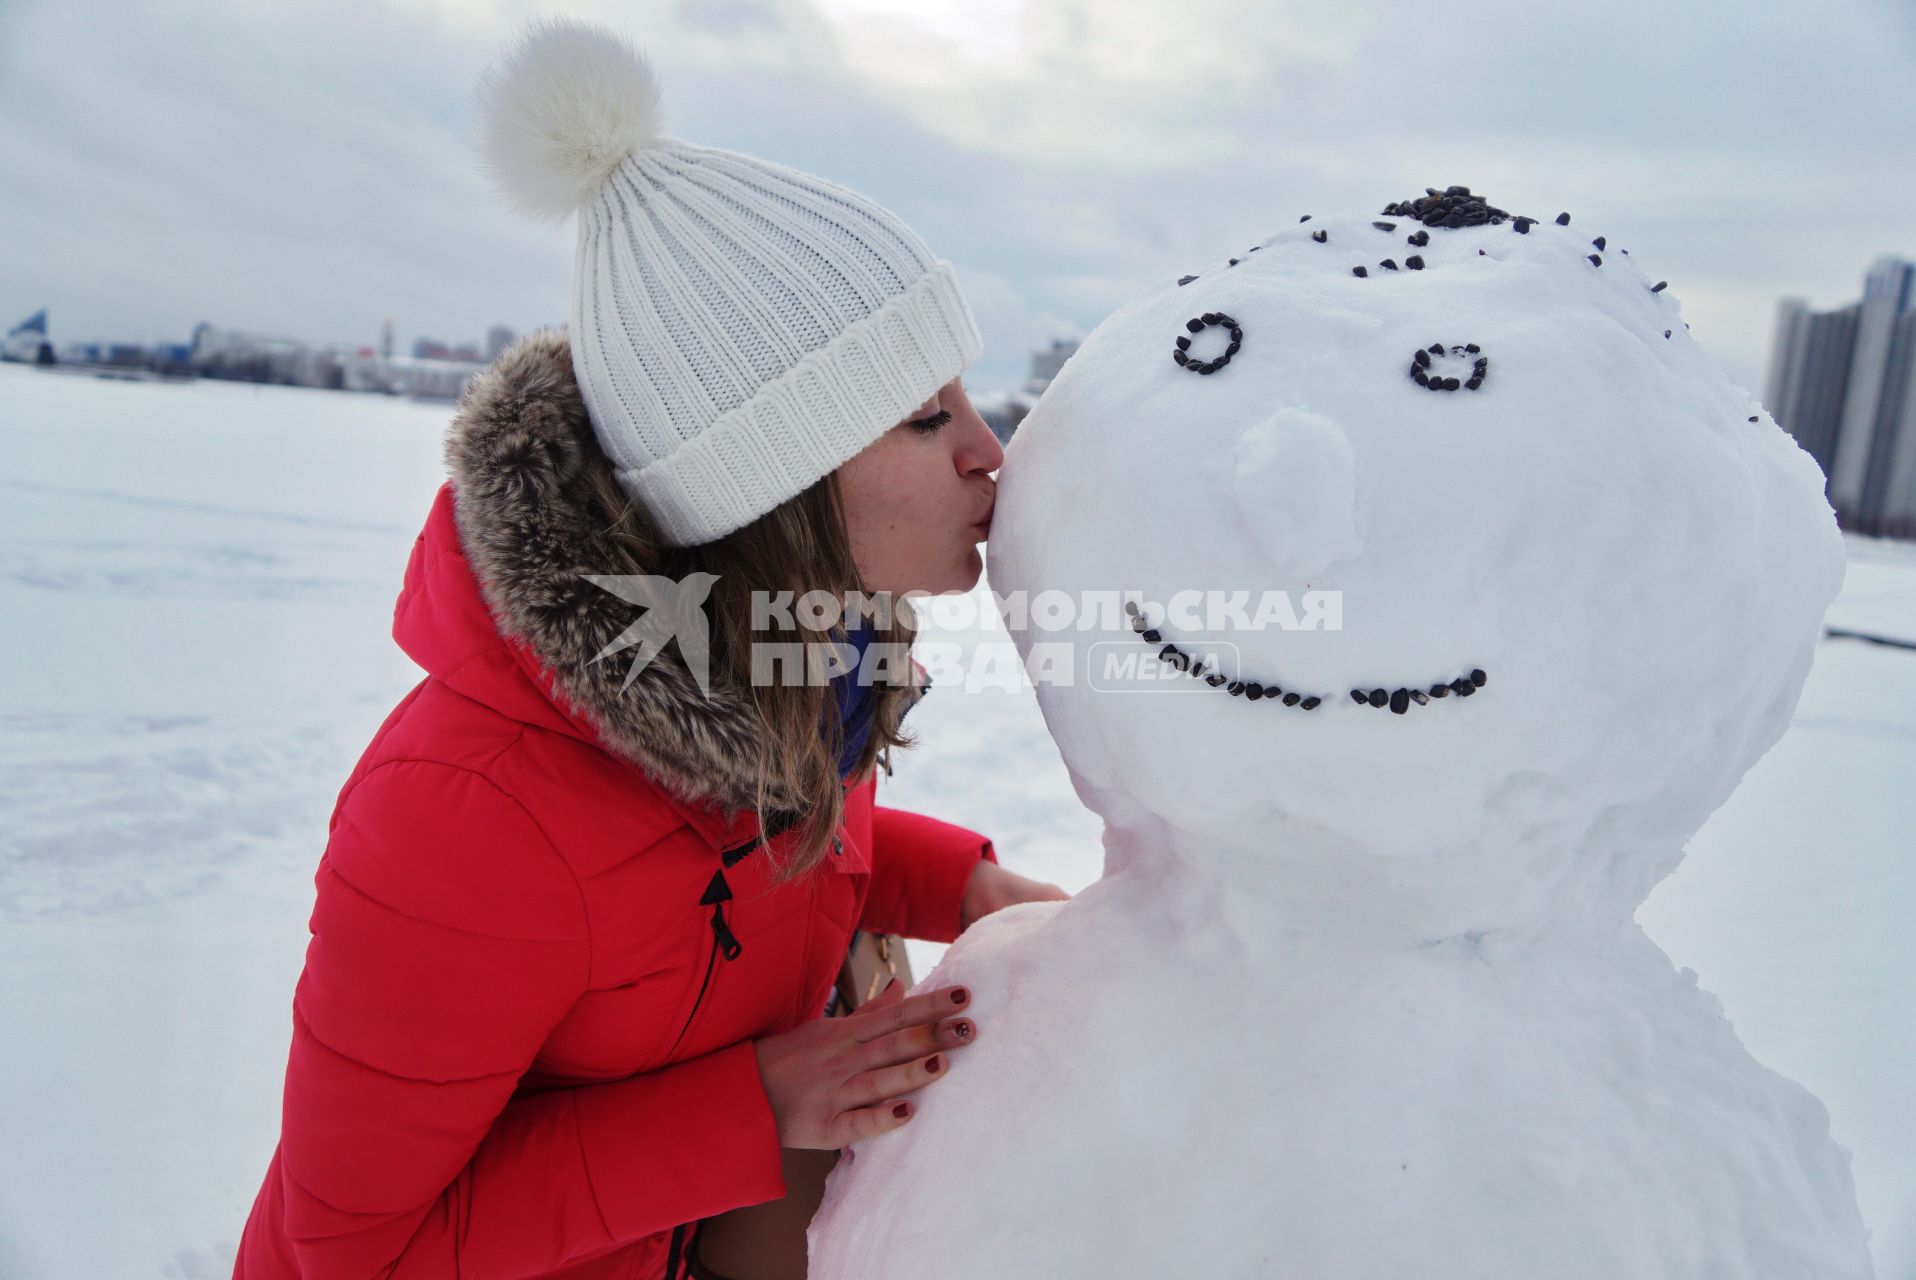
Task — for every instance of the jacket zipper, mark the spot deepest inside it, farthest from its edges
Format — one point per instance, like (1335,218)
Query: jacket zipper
(716,895)
(676,1255)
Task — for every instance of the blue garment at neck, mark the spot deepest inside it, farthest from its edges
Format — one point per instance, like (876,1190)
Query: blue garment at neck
(857,701)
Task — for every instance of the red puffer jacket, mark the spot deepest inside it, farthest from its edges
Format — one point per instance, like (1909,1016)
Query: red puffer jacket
(543,939)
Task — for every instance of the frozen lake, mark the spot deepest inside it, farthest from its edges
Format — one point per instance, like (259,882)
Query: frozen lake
(197,581)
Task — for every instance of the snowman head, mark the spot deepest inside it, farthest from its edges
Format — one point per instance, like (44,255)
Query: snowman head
(1499,490)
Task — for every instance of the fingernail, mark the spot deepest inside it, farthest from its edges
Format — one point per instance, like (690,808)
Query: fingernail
(960,995)
(902,1110)
(932,1064)
(962,1030)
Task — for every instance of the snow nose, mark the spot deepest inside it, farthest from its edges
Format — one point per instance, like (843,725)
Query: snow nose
(1294,481)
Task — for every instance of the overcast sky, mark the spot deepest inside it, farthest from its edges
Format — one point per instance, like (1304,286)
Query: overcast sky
(307,169)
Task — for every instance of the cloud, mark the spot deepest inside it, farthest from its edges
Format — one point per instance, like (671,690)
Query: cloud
(307,169)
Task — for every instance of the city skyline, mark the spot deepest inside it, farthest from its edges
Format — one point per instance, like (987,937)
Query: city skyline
(487,347)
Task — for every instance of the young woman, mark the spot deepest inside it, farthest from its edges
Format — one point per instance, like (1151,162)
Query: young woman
(585,895)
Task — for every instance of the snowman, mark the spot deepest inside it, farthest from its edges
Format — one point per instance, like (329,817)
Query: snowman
(1360,994)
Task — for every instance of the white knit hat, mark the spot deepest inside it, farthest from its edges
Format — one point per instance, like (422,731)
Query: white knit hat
(739,328)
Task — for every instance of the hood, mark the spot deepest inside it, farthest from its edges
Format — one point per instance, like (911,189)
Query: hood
(494,604)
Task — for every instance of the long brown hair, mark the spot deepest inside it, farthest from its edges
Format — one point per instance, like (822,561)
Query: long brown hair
(799,546)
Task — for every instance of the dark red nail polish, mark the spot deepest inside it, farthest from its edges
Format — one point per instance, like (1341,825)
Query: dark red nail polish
(902,1110)
(960,996)
(932,1063)
(962,1030)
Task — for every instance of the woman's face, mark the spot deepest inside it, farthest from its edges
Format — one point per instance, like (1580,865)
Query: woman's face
(918,499)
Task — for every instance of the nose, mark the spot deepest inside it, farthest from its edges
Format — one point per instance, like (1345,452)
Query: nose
(992,453)
(1294,483)
(979,450)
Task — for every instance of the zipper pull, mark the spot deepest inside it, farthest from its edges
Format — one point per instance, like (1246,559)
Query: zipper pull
(717,894)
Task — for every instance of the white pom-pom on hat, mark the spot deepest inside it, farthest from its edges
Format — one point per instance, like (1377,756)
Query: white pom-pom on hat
(558,112)
(738,328)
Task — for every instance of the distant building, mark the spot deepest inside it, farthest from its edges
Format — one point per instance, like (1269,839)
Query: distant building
(1046,362)
(498,338)
(1809,368)
(1843,383)
(173,359)
(433,349)
(28,341)
(342,366)
(1002,411)
(433,379)
(246,357)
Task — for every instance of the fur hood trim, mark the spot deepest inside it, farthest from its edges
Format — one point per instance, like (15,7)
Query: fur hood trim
(517,452)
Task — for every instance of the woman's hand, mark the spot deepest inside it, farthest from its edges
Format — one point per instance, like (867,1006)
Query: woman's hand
(991,887)
(832,1081)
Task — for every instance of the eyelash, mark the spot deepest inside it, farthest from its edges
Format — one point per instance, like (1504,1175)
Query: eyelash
(931,424)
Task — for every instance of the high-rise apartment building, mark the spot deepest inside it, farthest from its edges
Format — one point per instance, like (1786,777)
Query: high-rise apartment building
(1843,382)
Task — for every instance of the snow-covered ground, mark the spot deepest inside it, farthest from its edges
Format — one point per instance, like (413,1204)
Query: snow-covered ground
(197,582)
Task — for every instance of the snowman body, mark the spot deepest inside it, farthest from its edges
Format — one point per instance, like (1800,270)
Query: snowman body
(1456,596)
